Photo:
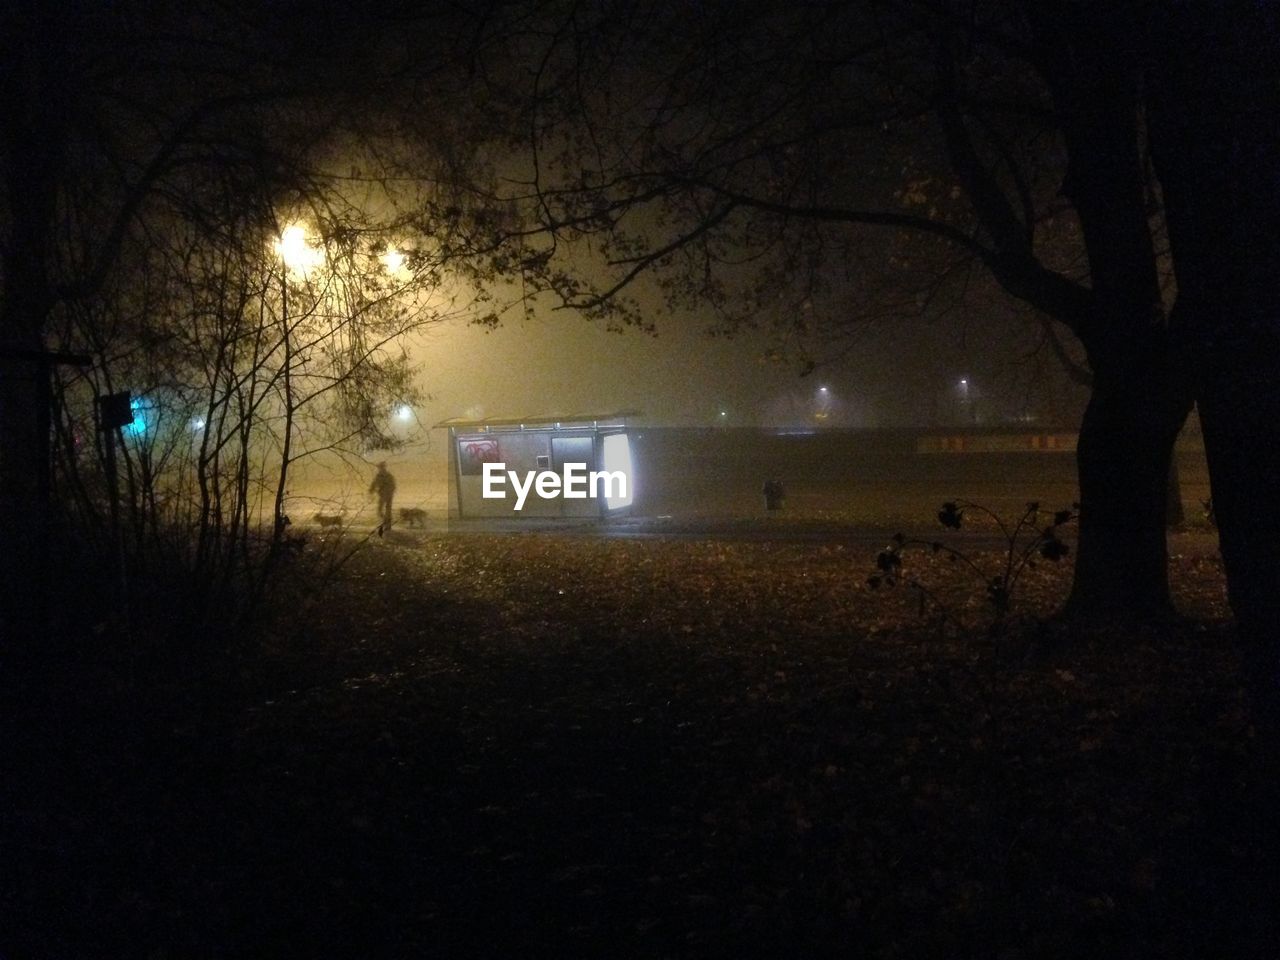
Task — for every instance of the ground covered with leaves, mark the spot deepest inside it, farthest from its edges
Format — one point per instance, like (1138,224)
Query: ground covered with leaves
(554,746)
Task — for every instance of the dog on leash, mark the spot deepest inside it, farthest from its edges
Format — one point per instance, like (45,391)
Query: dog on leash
(413,516)
(327,519)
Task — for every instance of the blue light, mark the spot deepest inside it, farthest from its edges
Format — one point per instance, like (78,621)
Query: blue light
(139,423)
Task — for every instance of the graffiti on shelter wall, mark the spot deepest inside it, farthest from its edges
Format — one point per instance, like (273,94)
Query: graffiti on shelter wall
(475,453)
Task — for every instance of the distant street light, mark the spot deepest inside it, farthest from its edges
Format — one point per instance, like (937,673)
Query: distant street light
(967,410)
(822,404)
(405,412)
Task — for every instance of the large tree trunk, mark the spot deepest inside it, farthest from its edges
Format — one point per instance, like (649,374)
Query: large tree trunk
(23,508)
(1175,513)
(32,150)
(1123,458)
(1216,139)
(1140,400)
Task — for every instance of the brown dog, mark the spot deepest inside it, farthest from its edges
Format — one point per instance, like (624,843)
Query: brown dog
(413,516)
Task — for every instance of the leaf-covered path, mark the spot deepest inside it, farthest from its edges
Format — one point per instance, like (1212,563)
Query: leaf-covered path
(530,745)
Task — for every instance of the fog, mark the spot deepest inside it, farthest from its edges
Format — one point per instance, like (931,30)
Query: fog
(900,375)
(715,419)
(565,365)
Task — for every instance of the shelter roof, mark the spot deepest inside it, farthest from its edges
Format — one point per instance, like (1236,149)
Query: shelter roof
(547,420)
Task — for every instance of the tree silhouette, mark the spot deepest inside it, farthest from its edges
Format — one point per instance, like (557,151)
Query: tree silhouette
(773,158)
(133,137)
(1214,102)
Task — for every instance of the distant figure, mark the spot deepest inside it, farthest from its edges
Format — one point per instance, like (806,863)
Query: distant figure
(384,485)
(774,494)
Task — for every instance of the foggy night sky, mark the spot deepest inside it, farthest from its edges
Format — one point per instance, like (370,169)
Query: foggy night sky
(558,362)
(563,364)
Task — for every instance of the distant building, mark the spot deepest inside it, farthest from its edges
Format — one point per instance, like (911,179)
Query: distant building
(997,440)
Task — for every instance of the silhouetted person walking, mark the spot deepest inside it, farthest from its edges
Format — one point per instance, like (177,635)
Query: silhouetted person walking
(384,485)
(775,494)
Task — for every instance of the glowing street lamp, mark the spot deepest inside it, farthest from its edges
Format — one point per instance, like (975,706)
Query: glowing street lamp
(393,260)
(296,250)
(137,427)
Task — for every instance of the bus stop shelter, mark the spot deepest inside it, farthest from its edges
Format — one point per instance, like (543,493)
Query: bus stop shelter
(594,443)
